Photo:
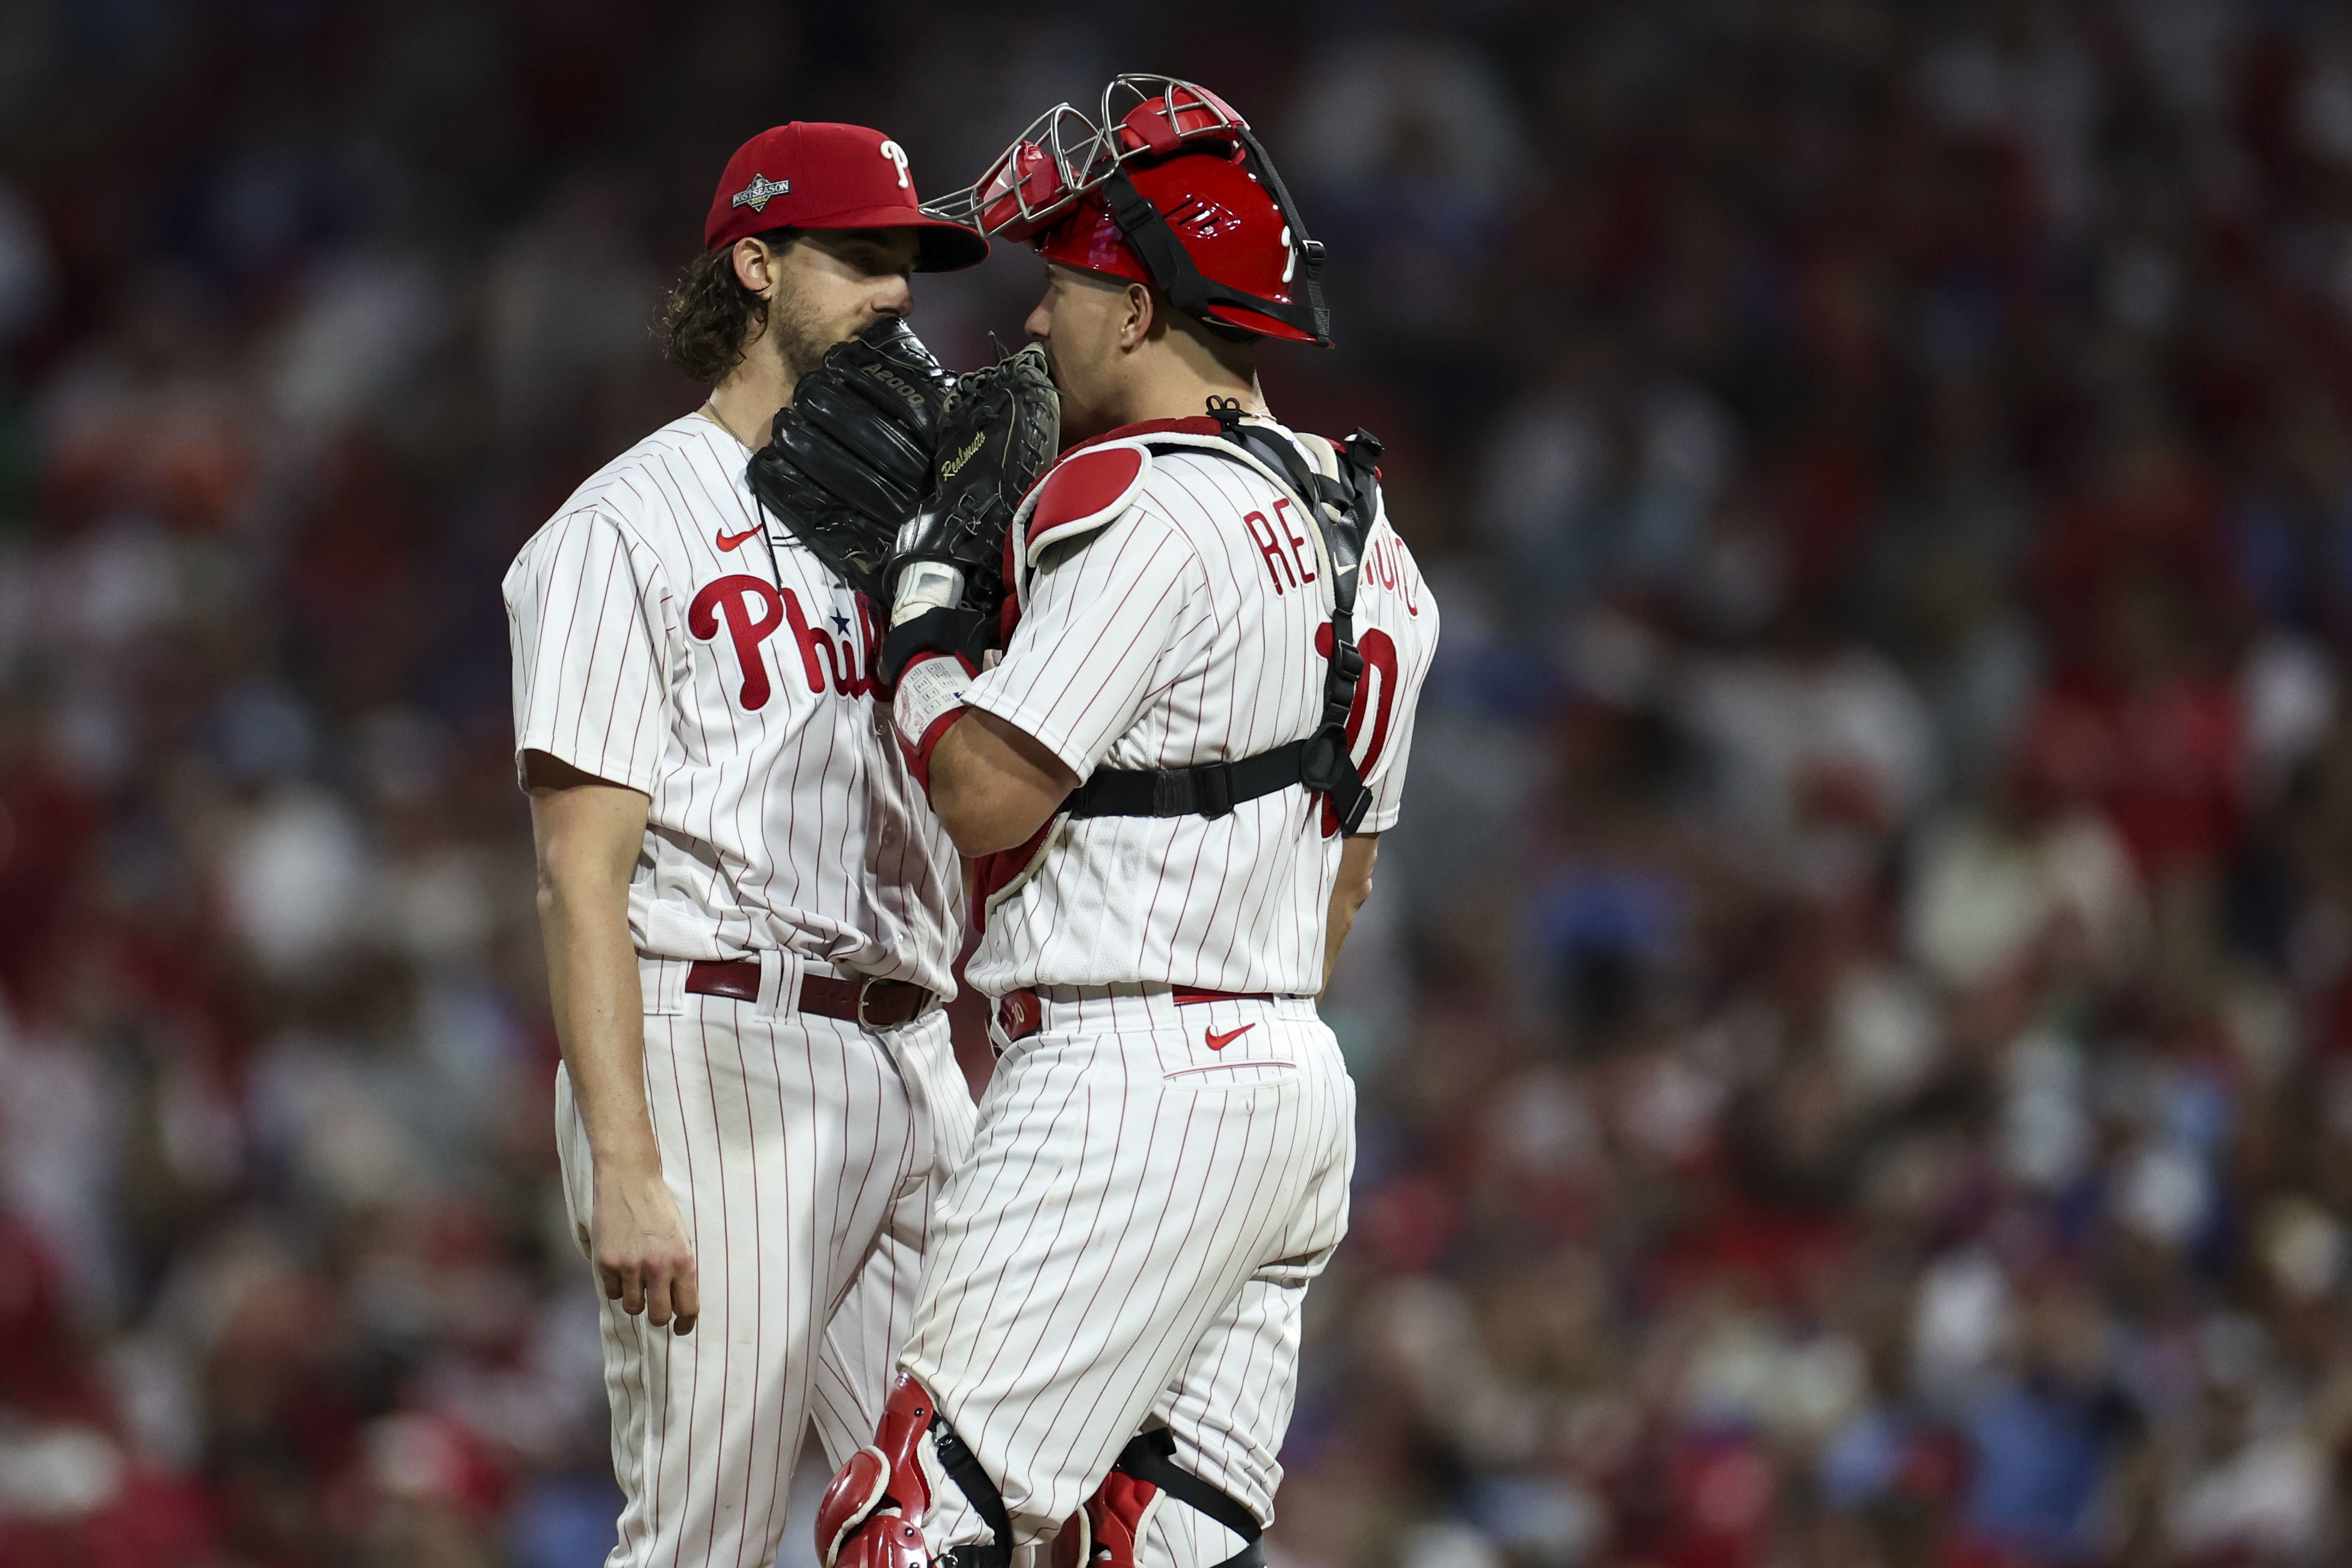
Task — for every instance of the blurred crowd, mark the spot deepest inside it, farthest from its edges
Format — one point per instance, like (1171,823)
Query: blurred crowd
(1855,1033)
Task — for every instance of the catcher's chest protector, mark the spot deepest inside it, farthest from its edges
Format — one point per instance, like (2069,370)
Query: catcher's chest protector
(1341,507)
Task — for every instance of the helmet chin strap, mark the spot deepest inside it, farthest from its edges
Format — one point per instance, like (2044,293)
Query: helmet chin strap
(1156,246)
(1147,232)
(1310,251)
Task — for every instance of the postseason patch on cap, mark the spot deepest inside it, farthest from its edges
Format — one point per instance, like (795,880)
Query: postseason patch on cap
(757,194)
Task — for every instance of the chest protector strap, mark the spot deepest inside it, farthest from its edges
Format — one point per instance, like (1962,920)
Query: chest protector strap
(1341,510)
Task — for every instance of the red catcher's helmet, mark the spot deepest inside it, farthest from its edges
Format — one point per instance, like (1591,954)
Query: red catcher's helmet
(1230,229)
(1168,187)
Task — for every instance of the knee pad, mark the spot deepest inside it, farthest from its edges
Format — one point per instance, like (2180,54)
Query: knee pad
(867,1516)
(1105,1531)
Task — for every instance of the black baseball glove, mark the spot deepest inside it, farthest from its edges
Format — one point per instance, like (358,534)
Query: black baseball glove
(850,458)
(1001,428)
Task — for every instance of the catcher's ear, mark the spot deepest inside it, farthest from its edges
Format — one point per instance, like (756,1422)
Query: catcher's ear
(1142,309)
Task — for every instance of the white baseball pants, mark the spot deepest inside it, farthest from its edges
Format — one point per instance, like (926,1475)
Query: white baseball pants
(806,1154)
(1128,1244)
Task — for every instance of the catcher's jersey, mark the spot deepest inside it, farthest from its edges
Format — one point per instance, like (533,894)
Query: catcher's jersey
(1177,626)
(667,635)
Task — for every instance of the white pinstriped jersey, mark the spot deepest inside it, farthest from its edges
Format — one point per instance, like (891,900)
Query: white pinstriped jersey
(1183,631)
(669,636)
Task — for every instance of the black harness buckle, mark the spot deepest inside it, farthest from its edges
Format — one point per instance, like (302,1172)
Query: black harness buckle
(1212,790)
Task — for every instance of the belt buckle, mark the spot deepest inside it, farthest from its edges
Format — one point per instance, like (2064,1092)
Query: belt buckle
(863,988)
(1018,1015)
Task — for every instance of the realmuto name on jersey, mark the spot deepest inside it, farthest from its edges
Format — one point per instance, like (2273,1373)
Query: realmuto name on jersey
(1386,565)
(1289,558)
(1289,561)
(751,609)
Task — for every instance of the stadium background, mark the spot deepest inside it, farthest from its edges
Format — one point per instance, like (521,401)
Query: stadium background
(1855,1032)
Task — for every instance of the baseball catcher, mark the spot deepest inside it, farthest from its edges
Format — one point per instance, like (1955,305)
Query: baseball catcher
(1163,702)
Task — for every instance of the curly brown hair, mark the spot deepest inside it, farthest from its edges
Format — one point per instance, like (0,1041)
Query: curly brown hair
(710,315)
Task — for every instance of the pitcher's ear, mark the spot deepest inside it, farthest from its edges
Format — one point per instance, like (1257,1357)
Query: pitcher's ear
(756,258)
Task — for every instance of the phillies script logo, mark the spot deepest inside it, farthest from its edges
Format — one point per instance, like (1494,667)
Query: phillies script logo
(754,607)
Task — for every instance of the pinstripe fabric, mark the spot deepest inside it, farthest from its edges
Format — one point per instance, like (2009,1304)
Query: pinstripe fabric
(1151,1187)
(665,640)
(805,1154)
(782,815)
(1185,632)
(1129,1243)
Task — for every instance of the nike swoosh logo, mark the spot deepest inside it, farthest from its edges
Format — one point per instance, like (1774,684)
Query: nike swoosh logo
(728,541)
(1219,1041)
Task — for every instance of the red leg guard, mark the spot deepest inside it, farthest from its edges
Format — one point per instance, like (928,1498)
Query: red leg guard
(1103,1533)
(867,1518)
(885,1541)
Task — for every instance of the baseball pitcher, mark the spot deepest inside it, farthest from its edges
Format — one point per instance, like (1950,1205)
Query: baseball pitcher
(1172,781)
(748,908)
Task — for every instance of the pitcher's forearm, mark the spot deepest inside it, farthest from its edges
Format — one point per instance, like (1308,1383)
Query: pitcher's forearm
(598,1007)
(587,833)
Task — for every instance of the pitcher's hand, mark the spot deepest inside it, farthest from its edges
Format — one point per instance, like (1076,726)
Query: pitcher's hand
(643,1255)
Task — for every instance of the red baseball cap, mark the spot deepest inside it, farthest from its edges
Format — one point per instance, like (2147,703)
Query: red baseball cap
(814,174)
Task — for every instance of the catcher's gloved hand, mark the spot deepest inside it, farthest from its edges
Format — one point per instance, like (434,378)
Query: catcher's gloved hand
(850,458)
(1001,427)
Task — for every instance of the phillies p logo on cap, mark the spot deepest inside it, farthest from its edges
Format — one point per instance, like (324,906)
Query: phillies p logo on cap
(816,174)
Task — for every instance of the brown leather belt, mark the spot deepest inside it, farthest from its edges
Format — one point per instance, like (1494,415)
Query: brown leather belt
(870,1004)
(1021,1014)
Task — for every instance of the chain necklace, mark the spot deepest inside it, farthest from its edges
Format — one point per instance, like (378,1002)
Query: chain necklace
(710,411)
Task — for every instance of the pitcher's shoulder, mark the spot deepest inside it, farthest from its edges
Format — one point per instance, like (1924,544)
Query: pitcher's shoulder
(667,483)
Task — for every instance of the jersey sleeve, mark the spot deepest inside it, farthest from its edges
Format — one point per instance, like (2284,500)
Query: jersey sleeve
(581,619)
(1387,780)
(1102,618)
(1398,636)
